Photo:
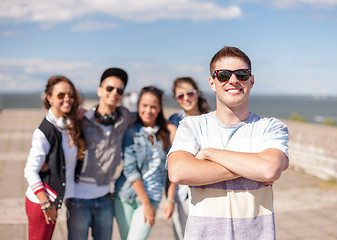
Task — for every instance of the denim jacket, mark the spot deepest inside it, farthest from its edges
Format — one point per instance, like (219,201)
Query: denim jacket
(136,155)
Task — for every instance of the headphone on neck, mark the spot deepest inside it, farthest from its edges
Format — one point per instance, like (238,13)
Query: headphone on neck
(107,119)
(63,122)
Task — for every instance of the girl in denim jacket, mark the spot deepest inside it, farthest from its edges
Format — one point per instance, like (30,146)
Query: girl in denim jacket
(139,189)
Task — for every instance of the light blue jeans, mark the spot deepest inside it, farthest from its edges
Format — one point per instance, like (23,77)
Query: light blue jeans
(96,213)
(130,219)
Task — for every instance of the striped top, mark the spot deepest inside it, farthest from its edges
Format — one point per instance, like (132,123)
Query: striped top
(153,178)
(235,209)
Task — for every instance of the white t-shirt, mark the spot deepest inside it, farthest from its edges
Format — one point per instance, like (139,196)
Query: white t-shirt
(235,209)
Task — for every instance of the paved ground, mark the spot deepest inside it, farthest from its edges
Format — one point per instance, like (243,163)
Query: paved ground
(305,207)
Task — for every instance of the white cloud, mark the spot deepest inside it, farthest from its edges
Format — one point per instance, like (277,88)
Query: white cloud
(55,11)
(4,77)
(87,26)
(296,3)
(288,4)
(30,66)
(10,33)
(32,74)
(47,26)
(162,75)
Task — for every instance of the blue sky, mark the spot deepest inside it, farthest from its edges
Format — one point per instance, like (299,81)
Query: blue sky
(292,43)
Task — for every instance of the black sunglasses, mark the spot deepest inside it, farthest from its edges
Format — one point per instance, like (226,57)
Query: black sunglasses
(120,91)
(190,94)
(62,95)
(224,75)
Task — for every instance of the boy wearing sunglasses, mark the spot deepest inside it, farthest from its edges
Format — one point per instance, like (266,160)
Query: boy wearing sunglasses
(103,129)
(229,158)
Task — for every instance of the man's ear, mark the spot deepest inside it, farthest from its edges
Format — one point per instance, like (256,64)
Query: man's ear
(251,79)
(99,91)
(212,83)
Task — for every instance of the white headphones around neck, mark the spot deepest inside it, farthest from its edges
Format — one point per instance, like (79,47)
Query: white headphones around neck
(151,130)
(62,122)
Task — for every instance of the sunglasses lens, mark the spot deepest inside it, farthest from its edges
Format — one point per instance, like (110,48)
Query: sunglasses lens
(109,88)
(190,93)
(242,75)
(61,95)
(223,75)
(180,96)
(120,91)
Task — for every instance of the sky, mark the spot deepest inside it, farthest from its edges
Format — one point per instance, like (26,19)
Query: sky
(292,43)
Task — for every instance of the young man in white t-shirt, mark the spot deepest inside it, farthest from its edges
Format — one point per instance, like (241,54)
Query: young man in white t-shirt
(229,158)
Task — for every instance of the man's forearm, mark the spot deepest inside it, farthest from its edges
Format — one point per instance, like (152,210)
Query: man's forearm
(185,169)
(263,166)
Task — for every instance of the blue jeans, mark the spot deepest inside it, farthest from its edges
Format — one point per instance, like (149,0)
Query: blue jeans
(96,213)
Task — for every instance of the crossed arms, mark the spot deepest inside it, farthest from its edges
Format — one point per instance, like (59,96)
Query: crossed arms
(214,165)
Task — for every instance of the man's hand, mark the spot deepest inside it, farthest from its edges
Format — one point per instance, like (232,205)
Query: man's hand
(201,155)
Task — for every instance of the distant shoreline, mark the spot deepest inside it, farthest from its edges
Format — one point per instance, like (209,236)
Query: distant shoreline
(313,109)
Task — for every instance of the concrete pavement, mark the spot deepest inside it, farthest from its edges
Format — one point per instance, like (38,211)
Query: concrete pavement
(305,207)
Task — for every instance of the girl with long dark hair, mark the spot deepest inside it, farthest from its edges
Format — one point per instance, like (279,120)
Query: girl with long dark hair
(50,167)
(140,187)
(192,102)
